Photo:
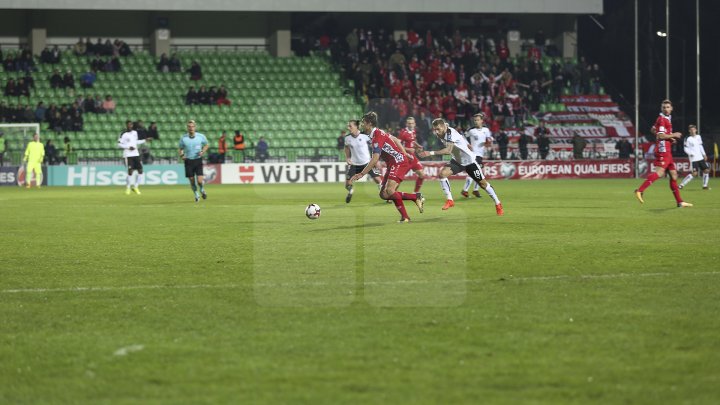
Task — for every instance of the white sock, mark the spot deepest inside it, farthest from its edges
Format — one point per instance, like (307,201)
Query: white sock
(491,193)
(468,182)
(706,179)
(686,180)
(445,185)
(138,179)
(129,179)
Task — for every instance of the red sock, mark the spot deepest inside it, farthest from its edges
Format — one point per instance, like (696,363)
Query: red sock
(407,196)
(651,178)
(418,184)
(397,199)
(675,190)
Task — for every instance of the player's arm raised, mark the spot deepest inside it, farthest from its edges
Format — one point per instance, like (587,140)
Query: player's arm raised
(371,164)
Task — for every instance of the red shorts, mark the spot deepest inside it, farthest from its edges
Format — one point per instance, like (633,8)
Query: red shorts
(667,164)
(415,164)
(396,173)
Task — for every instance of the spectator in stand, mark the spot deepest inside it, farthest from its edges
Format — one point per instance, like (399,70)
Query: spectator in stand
(115,64)
(239,141)
(341,141)
(68,80)
(99,103)
(195,71)
(624,148)
(579,144)
(353,41)
(11,89)
(40,111)
(46,56)
(523,142)
(203,96)
(109,104)
(542,140)
(502,140)
(175,65)
(212,95)
(192,96)
(77,122)
(123,48)
(164,64)
(222,146)
(79,49)
(222,96)
(87,80)
(23,90)
(89,105)
(152,131)
(97,64)
(56,81)
(261,150)
(51,154)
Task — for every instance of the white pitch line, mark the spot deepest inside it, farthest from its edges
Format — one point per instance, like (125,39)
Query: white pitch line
(342,283)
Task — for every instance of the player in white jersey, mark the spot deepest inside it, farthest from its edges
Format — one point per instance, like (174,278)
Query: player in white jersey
(698,159)
(357,156)
(480,138)
(463,159)
(129,142)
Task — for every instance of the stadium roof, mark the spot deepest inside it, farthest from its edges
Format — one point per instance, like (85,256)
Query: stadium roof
(394,6)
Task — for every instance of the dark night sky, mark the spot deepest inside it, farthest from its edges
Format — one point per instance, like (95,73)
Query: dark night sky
(613,49)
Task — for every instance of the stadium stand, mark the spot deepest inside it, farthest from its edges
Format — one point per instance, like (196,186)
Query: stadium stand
(298,104)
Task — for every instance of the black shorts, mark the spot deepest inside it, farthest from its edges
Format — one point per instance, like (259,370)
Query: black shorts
(474,170)
(133,163)
(700,166)
(355,169)
(193,167)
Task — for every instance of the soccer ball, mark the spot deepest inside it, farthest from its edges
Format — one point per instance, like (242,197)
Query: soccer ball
(312,211)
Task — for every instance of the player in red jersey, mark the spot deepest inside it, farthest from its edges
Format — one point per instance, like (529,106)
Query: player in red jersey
(390,150)
(663,155)
(408,136)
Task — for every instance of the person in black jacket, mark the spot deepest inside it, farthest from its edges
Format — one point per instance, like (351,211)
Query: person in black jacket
(502,140)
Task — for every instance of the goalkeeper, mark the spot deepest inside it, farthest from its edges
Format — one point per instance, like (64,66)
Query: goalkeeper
(34,155)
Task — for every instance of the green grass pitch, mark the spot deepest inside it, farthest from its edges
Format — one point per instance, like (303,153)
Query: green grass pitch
(579,294)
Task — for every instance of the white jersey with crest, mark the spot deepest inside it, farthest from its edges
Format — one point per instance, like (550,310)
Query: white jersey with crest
(694,148)
(460,151)
(359,149)
(127,140)
(478,137)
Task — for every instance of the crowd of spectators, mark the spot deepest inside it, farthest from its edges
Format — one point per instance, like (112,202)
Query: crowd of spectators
(59,118)
(100,48)
(454,76)
(204,96)
(21,61)
(171,64)
(19,88)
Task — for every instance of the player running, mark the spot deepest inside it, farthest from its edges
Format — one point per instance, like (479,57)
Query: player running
(480,138)
(463,159)
(34,155)
(357,156)
(698,159)
(129,142)
(193,146)
(663,155)
(408,137)
(389,149)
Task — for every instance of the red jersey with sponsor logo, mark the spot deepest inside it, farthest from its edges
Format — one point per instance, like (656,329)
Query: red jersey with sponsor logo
(389,152)
(663,147)
(407,137)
